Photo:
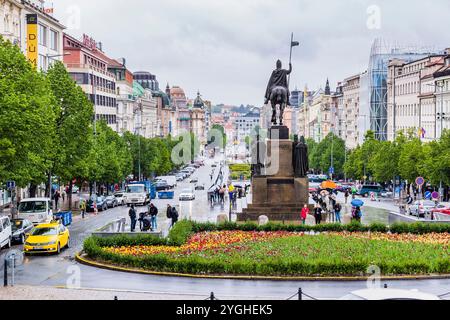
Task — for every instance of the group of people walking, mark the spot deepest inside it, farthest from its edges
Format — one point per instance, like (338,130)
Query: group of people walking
(148,220)
(326,209)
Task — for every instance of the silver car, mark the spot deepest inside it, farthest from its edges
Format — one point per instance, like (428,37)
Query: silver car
(423,208)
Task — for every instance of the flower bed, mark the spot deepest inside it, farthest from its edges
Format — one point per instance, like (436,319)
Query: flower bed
(279,253)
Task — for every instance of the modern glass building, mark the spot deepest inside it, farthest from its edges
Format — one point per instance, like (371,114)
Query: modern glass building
(382,52)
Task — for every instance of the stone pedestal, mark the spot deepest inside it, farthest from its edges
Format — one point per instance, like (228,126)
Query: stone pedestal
(278,194)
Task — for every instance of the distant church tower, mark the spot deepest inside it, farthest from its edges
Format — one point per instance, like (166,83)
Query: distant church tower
(328,89)
(168,90)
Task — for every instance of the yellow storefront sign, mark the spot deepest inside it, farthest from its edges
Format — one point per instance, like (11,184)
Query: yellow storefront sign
(32,39)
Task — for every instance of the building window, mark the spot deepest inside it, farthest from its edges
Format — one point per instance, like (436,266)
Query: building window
(42,34)
(42,62)
(53,40)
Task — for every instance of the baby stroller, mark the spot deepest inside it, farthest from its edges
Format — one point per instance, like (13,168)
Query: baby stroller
(146,224)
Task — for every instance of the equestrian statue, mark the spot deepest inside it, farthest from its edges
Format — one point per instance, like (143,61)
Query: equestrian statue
(278,91)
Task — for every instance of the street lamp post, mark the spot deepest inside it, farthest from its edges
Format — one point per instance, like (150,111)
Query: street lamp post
(441,115)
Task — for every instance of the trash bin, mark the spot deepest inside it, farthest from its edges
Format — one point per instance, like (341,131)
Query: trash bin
(166,195)
(65,217)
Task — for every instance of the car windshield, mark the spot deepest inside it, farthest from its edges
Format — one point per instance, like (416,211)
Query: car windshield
(33,206)
(135,189)
(118,195)
(17,225)
(44,232)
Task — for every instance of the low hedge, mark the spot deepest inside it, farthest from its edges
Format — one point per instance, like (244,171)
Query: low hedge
(399,228)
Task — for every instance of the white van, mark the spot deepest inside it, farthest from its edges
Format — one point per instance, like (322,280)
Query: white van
(36,210)
(171,180)
(5,232)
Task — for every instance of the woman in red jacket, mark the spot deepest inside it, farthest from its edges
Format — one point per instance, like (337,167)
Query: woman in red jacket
(304,214)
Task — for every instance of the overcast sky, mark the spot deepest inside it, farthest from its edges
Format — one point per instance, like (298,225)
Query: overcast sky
(228,48)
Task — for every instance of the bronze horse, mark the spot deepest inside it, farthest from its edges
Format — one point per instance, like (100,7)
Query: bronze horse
(278,96)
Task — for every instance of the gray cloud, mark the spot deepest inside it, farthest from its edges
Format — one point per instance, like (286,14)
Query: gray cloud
(228,48)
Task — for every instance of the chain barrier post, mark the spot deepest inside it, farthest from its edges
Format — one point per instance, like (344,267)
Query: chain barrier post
(300,294)
(5,273)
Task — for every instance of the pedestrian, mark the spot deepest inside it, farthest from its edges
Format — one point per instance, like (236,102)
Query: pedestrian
(142,216)
(169,212)
(356,214)
(222,194)
(153,215)
(95,206)
(175,216)
(231,190)
(318,214)
(57,197)
(63,195)
(347,194)
(337,212)
(83,208)
(133,216)
(304,214)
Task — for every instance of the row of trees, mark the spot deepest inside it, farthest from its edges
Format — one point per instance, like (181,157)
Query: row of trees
(382,161)
(407,157)
(46,130)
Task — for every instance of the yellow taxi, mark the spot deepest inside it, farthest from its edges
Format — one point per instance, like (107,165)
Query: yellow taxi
(47,238)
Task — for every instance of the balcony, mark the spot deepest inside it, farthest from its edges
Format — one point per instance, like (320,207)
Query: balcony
(89,67)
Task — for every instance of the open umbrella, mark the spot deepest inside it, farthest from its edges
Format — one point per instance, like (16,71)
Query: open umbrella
(357,203)
(328,185)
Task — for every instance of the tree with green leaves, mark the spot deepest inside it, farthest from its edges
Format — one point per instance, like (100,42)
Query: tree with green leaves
(74,114)
(436,164)
(27,119)
(330,150)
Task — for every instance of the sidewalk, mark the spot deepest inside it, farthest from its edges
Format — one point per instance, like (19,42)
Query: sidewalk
(59,294)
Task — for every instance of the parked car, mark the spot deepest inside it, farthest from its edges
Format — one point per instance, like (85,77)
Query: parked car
(119,198)
(187,195)
(162,185)
(171,180)
(180,177)
(366,190)
(101,204)
(111,202)
(47,238)
(194,180)
(19,228)
(5,232)
(389,294)
(200,187)
(423,208)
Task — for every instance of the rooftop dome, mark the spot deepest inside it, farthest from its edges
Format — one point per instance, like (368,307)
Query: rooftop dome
(177,92)
(198,102)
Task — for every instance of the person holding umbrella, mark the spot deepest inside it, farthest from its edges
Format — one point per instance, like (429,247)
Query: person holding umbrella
(356,210)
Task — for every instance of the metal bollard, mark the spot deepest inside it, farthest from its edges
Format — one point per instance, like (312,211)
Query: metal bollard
(212,296)
(300,294)
(5,273)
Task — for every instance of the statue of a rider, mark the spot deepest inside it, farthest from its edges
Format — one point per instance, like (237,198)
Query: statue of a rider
(279,78)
